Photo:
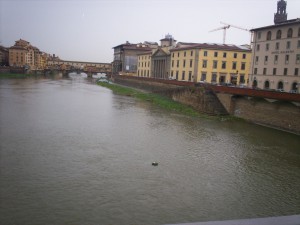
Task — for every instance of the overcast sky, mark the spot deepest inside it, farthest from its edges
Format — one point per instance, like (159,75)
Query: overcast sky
(86,30)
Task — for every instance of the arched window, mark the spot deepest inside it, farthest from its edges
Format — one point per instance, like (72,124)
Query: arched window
(290,33)
(254,84)
(278,34)
(280,85)
(295,87)
(269,35)
(267,84)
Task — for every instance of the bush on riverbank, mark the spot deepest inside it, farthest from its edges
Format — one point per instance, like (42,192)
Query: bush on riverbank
(156,99)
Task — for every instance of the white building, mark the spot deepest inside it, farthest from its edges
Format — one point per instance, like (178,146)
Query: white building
(276,54)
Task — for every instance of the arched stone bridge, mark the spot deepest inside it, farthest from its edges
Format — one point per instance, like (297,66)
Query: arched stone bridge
(89,68)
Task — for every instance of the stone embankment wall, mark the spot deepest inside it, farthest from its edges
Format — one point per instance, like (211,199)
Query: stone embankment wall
(199,98)
(7,69)
(278,114)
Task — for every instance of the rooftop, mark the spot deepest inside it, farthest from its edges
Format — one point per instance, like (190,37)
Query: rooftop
(281,24)
(215,46)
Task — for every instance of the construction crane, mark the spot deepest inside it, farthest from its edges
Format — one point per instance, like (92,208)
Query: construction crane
(241,28)
(224,28)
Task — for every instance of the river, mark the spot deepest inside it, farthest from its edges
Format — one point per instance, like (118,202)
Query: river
(72,152)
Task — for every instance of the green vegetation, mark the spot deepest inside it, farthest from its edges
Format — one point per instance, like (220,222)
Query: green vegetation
(156,99)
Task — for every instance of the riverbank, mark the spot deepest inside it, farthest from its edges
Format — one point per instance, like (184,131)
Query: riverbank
(14,75)
(162,101)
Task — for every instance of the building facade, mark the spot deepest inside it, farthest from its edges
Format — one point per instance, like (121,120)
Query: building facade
(4,53)
(144,64)
(126,57)
(211,63)
(23,54)
(156,63)
(276,54)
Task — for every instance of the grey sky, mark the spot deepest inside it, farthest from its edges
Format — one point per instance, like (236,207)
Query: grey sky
(86,30)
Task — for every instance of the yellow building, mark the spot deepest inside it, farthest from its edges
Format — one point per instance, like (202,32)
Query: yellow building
(144,64)
(23,54)
(211,63)
(155,63)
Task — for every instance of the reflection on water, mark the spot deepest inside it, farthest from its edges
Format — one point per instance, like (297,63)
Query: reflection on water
(74,153)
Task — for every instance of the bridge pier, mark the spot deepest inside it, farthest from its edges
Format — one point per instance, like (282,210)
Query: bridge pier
(89,74)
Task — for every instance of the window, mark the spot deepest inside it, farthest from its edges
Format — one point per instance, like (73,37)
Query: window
(235,55)
(184,54)
(177,63)
(287,59)
(266,59)
(215,64)
(243,66)
(214,77)
(224,54)
(177,75)
(256,60)
(269,35)
(204,64)
(277,46)
(258,35)
(278,34)
(183,75)
(299,32)
(172,63)
(280,85)
(264,71)
(290,33)
(205,53)
(296,71)
(267,84)
(190,75)
(257,47)
(274,71)
(215,54)
(275,59)
(223,65)
(298,45)
(191,53)
(242,79)
(285,71)
(234,65)
(183,63)
(297,58)
(255,71)
(267,46)
(244,56)
(288,45)
(203,77)
(178,54)
(191,63)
